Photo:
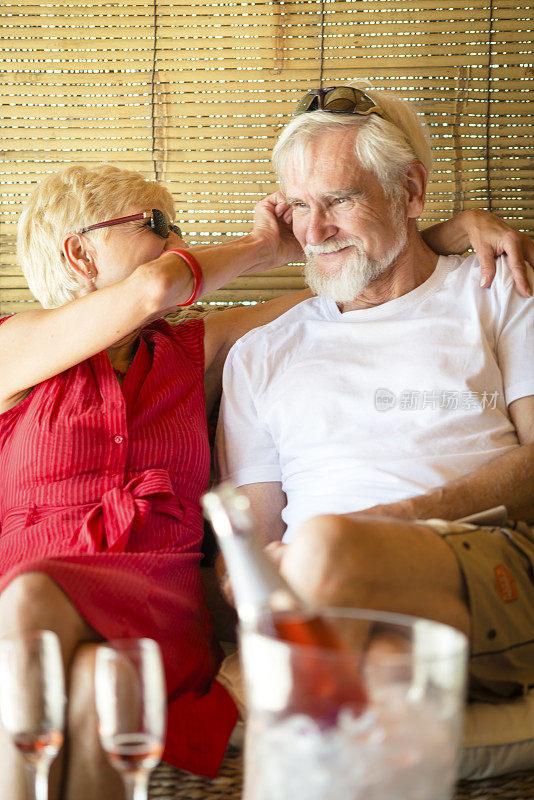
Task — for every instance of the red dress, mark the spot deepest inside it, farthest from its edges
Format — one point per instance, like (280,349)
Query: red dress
(99,489)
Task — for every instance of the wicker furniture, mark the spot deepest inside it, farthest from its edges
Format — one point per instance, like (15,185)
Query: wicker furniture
(169,783)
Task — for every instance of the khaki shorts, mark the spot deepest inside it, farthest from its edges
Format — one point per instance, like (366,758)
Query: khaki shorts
(497,564)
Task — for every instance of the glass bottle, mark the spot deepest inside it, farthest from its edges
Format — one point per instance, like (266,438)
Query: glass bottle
(265,601)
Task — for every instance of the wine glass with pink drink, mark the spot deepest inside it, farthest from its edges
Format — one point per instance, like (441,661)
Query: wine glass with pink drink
(32,701)
(131,703)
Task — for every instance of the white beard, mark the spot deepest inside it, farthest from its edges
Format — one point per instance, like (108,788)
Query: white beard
(347,283)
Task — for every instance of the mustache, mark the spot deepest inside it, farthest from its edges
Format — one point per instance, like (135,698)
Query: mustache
(332,246)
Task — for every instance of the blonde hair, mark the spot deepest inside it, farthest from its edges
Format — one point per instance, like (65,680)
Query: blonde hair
(68,201)
(385,146)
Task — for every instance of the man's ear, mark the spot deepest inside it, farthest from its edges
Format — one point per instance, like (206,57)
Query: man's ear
(79,257)
(415,187)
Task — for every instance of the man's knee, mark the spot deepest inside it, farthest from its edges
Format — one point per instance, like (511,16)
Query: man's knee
(329,533)
(333,559)
(376,562)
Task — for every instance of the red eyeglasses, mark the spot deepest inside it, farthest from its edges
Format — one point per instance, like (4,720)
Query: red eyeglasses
(158,221)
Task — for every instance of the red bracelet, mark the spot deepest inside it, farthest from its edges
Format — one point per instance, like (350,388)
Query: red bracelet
(194,266)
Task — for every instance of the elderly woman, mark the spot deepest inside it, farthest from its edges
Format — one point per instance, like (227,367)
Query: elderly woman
(104,448)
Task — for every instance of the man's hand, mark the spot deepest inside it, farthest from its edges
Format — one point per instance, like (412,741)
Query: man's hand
(490,237)
(272,224)
(223,580)
(275,551)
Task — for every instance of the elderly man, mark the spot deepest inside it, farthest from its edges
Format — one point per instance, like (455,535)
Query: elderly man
(400,393)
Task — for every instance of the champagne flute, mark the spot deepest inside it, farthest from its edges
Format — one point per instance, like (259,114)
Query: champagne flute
(32,701)
(131,705)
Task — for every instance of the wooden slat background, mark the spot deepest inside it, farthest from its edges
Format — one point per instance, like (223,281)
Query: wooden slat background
(77,87)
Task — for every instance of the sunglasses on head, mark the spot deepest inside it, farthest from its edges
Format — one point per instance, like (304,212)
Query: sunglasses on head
(158,221)
(338,100)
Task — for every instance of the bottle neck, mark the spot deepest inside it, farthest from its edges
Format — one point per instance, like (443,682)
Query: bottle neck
(256,582)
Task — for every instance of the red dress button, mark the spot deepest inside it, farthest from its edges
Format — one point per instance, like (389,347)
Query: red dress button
(118,439)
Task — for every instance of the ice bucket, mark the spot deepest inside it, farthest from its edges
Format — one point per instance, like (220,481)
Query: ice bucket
(308,738)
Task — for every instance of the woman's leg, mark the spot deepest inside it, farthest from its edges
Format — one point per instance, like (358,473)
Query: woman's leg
(33,601)
(87,773)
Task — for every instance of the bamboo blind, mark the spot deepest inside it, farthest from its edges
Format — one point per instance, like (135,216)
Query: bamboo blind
(194,92)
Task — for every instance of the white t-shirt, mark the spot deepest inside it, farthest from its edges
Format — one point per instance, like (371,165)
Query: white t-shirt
(349,410)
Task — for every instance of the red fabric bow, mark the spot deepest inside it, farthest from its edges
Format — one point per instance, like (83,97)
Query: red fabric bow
(108,525)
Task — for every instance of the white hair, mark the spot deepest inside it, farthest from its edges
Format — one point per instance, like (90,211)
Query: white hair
(385,145)
(68,201)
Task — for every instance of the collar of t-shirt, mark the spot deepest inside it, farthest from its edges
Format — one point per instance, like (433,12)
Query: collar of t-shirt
(444,267)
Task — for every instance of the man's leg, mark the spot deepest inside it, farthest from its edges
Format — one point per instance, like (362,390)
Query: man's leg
(379,563)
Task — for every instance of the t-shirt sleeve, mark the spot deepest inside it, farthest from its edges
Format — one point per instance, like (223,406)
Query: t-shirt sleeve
(515,343)
(245,450)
